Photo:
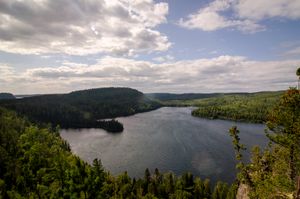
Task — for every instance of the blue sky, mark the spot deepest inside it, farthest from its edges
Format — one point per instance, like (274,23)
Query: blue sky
(261,45)
(154,46)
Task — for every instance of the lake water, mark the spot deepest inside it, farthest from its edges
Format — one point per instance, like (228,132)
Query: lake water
(169,139)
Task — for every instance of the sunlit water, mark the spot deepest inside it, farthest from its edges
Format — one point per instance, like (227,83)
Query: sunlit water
(169,139)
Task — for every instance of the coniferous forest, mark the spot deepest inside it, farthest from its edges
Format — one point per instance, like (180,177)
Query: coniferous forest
(83,109)
(253,107)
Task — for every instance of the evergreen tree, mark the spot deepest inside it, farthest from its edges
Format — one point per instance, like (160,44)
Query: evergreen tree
(298,74)
(284,127)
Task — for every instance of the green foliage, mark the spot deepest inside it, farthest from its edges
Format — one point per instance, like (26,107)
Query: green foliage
(243,175)
(36,163)
(253,107)
(234,133)
(272,172)
(220,191)
(83,109)
(298,72)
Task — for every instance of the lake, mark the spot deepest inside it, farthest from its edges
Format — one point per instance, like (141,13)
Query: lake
(169,139)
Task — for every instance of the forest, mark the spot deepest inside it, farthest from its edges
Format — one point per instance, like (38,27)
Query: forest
(253,107)
(35,162)
(83,109)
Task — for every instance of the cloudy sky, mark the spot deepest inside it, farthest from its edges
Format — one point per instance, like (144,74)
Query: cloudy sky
(56,46)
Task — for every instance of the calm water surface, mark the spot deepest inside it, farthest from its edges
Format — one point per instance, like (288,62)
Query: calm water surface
(169,139)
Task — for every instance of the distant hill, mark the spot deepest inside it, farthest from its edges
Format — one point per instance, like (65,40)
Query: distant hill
(7,96)
(82,109)
(193,96)
(247,107)
(184,96)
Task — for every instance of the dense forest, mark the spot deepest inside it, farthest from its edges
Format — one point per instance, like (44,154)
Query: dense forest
(36,163)
(83,109)
(253,107)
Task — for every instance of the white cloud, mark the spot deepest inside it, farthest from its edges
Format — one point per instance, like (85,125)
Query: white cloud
(82,27)
(258,9)
(293,52)
(5,71)
(290,49)
(219,74)
(246,14)
(167,58)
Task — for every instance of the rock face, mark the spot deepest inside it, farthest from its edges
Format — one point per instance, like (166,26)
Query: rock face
(298,185)
(243,192)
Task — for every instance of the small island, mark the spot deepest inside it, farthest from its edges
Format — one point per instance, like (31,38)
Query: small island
(109,125)
(112,126)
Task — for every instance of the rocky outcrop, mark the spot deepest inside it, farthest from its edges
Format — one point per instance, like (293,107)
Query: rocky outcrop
(243,192)
(298,188)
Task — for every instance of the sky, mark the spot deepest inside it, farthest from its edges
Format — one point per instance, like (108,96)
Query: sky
(58,46)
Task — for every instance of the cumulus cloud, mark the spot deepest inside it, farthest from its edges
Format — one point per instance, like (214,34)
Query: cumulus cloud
(258,10)
(5,71)
(246,14)
(82,27)
(290,49)
(167,58)
(293,52)
(219,74)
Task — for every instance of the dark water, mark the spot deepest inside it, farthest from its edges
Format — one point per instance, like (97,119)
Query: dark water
(169,139)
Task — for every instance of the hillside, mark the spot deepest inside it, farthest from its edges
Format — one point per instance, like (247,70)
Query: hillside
(250,107)
(82,109)
(4,96)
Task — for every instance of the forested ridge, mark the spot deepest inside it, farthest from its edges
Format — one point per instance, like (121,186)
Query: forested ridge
(247,107)
(253,107)
(83,109)
(5,96)
(185,96)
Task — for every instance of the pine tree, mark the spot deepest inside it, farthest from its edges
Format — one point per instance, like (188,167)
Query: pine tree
(284,127)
